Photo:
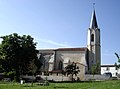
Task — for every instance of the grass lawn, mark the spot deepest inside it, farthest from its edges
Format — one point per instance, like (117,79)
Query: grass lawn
(114,84)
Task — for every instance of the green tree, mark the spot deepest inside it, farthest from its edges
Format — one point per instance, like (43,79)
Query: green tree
(16,52)
(32,69)
(94,70)
(117,64)
(72,69)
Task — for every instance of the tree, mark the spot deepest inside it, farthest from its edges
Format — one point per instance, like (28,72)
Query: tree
(94,70)
(16,52)
(72,69)
(32,69)
(117,64)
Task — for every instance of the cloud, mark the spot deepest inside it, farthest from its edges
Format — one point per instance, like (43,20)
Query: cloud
(50,42)
(57,44)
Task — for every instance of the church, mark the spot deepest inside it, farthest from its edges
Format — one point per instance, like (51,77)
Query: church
(54,61)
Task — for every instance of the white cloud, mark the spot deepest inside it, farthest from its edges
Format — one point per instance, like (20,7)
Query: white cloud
(57,44)
(50,42)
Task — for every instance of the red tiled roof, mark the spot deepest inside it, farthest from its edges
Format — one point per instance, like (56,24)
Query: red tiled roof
(72,49)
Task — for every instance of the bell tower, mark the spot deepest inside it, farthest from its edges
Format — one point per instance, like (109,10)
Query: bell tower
(93,44)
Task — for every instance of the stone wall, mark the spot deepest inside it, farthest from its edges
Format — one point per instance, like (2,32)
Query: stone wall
(74,56)
(96,77)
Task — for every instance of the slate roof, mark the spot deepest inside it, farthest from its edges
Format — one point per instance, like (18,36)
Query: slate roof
(93,23)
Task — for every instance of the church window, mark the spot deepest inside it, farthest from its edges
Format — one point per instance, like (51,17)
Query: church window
(60,65)
(92,37)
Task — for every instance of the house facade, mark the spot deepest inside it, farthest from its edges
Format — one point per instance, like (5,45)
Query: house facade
(110,69)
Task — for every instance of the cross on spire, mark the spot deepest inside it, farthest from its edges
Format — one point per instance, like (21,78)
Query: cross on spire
(93,5)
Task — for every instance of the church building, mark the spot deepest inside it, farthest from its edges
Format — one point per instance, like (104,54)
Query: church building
(54,61)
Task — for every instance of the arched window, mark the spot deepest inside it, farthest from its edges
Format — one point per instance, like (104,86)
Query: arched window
(92,37)
(60,65)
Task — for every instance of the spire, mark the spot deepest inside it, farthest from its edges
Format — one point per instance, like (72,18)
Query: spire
(93,23)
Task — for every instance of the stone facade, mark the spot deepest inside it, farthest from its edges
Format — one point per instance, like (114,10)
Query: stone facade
(55,60)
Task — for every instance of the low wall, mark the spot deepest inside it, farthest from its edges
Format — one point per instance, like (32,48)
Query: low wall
(65,78)
(96,77)
(56,78)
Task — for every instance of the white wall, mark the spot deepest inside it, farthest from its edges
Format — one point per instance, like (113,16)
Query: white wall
(111,69)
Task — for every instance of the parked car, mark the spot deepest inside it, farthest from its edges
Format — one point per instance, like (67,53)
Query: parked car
(108,74)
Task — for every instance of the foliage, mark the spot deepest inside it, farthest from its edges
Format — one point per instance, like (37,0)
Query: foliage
(16,52)
(10,74)
(117,64)
(72,69)
(32,69)
(95,69)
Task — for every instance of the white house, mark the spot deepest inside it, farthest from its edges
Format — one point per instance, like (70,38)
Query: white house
(110,68)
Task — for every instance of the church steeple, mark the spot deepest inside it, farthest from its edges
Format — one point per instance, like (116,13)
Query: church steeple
(93,44)
(93,23)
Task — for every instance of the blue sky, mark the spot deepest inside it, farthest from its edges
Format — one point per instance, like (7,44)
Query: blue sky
(63,23)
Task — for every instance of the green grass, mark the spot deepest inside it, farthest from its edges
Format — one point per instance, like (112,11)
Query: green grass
(115,84)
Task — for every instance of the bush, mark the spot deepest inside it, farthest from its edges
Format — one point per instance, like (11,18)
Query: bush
(10,75)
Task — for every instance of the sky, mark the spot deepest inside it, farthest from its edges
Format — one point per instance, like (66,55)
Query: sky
(63,23)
